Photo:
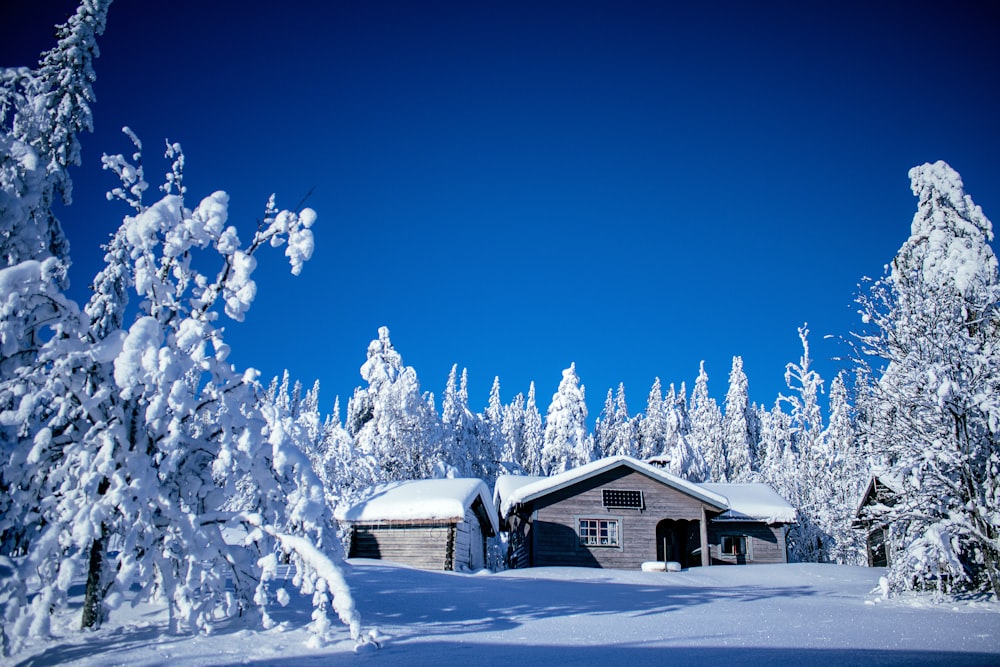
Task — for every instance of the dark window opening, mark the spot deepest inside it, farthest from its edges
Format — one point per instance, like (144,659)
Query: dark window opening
(734,545)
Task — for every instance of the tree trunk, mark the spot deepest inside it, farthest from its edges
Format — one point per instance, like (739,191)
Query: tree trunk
(93,599)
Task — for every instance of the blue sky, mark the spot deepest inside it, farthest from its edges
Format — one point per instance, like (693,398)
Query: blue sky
(631,186)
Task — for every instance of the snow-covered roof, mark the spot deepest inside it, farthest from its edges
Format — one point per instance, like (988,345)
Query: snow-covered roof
(753,502)
(885,478)
(518,493)
(508,484)
(420,500)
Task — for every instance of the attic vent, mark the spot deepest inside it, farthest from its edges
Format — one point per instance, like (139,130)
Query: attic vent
(622,499)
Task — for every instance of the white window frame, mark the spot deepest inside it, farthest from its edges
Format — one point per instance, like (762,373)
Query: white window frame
(590,536)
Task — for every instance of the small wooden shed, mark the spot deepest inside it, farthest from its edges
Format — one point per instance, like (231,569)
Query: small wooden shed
(880,495)
(433,524)
(620,512)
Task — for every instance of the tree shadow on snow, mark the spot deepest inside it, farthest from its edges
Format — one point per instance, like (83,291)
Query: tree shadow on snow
(434,603)
(434,654)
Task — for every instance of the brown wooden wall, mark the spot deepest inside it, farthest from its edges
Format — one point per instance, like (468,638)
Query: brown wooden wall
(426,547)
(553,532)
(439,546)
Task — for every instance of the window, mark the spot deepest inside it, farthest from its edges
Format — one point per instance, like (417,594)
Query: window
(622,498)
(599,532)
(734,545)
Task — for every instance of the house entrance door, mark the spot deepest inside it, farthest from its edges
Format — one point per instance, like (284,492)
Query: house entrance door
(675,541)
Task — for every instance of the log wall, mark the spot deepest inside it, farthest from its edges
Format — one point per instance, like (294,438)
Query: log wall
(430,547)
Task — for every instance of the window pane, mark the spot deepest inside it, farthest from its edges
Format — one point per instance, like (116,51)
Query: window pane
(599,532)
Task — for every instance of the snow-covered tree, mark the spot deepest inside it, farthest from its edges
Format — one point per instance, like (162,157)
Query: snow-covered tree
(42,112)
(653,426)
(845,480)
(685,460)
(492,421)
(396,434)
(807,540)
(736,426)
(706,428)
(566,441)
(334,460)
(147,432)
(932,332)
(778,465)
(602,426)
(512,435)
(470,445)
(45,373)
(534,435)
(616,433)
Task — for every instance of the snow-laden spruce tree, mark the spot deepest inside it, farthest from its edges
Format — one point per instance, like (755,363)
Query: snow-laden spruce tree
(653,425)
(493,433)
(566,441)
(602,430)
(469,444)
(512,435)
(334,460)
(846,479)
(616,433)
(808,487)
(736,426)
(684,459)
(397,435)
(534,435)
(42,110)
(706,428)
(778,463)
(932,335)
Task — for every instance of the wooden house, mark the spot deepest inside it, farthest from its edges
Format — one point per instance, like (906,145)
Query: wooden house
(880,495)
(433,524)
(620,512)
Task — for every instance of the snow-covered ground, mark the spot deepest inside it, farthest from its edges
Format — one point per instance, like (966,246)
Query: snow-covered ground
(796,614)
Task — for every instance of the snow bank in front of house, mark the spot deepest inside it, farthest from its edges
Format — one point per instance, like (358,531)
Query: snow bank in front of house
(753,502)
(416,500)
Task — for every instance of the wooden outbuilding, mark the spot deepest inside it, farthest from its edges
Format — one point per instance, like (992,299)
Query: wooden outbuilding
(432,524)
(881,493)
(620,512)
